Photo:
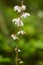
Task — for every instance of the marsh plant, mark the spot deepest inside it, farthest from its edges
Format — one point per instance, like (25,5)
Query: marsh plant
(19,23)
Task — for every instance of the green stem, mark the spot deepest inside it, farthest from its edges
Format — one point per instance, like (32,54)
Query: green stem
(17,56)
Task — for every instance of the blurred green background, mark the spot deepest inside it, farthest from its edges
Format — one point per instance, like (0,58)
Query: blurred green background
(31,44)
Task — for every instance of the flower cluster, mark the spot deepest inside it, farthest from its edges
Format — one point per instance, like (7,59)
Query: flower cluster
(21,8)
(19,23)
(17,50)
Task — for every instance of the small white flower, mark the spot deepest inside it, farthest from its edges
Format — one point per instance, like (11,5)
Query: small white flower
(21,32)
(19,50)
(23,7)
(18,22)
(21,62)
(15,20)
(16,49)
(16,8)
(19,9)
(25,15)
(14,37)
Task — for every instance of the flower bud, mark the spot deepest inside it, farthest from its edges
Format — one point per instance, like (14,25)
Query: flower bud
(23,7)
(20,62)
(19,50)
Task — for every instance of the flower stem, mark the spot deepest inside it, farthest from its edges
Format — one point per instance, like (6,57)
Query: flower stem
(17,56)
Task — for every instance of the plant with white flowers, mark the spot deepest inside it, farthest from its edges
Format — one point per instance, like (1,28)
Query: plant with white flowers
(18,22)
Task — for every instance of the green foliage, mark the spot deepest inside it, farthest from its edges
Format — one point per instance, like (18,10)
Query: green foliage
(31,44)
(4,59)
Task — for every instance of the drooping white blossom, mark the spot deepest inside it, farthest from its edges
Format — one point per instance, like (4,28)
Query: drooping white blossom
(21,32)
(19,9)
(16,8)
(24,15)
(18,22)
(19,50)
(14,37)
(15,20)
(21,62)
(23,7)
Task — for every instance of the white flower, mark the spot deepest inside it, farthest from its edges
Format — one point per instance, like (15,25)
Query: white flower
(21,32)
(19,50)
(15,20)
(18,22)
(19,9)
(14,37)
(16,49)
(21,62)
(23,7)
(25,15)
(16,8)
